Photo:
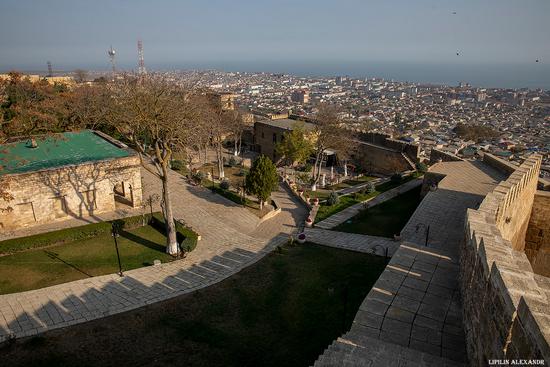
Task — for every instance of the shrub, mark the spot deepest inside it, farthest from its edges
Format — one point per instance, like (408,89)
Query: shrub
(421,167)
(69,234)
(241,173)
(177,165)
(186,237)
(396,177)
(233,162)
(370,188)
(333,198)
(224,185)
(197,176)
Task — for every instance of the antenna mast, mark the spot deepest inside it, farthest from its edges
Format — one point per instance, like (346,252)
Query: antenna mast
(141,63)
(111,52)
(50,69)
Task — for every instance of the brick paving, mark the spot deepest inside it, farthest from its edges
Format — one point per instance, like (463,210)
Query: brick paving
(352,241)
(353,210)
(413,314)
(232,239)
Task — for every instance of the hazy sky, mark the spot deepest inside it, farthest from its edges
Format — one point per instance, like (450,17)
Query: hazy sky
(75,33)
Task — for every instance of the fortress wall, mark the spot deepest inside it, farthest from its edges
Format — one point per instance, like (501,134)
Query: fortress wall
(505,304)
(537,241)
(374,138)
(375,158)
(437,155)
(410,149)
(516,196)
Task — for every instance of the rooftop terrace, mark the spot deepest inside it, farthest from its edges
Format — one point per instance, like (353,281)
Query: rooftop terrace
(60,150)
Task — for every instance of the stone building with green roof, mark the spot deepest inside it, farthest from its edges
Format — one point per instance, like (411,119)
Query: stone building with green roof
(70,175)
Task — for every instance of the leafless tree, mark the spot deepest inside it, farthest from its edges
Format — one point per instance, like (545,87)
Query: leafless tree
(330,133)
(236,127)
(156,116)
(80,75)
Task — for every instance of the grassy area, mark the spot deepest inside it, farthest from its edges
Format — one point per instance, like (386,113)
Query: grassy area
(282,311)
(80,259)
(351,182)
(346,201)
(385,219)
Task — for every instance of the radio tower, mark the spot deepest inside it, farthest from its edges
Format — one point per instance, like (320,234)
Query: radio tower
(141,63)
(50,69)
(111,52)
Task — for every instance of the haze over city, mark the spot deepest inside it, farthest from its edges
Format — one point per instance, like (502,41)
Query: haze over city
(489,43)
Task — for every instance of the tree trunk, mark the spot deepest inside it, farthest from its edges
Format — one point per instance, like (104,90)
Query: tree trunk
(345,169)
(236,152)
(172,247)
(219,153)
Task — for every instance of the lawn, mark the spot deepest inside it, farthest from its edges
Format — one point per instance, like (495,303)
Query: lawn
(385,219)
(346,201)
(282,311)
(38,268)
(351,182)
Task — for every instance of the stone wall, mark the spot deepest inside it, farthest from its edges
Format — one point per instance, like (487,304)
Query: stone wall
(71,192)
(516,196)
(379,159)
(441,156)
(537,241)
(505,304)
(509,167)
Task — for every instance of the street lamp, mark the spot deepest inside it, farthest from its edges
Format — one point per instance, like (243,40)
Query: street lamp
(115,228)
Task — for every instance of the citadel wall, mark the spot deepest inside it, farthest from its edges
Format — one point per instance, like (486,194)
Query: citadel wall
(505,303)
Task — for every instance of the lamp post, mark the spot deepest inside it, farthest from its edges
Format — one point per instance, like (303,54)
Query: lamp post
(427,227)
(114,231)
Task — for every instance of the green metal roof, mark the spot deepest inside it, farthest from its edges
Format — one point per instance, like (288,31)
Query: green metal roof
(56,151)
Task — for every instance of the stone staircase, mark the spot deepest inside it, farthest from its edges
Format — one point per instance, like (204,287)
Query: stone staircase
(409,161)
(356,349)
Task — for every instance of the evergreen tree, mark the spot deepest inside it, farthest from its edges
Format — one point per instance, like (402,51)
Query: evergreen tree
(262,179)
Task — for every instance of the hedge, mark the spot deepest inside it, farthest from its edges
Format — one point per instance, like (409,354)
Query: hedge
(187,237)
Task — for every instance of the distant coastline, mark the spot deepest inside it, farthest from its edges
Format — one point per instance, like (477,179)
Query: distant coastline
(528,75)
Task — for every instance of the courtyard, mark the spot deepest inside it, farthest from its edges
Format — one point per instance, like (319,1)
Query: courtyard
(282,311)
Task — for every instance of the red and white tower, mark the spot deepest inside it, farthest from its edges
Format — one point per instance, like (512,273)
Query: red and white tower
(141,63)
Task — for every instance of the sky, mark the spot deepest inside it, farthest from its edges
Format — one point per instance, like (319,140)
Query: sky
(178,34)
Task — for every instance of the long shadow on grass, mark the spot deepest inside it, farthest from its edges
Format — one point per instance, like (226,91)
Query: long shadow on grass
(54,256)
(142,241)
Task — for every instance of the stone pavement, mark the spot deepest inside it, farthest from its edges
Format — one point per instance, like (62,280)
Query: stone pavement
(415,303)
(352,241)
(353,210)
(231,241)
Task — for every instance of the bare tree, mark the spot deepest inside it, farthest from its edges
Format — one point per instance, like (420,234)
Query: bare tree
(80,75)
(330,132)
(236,127)
(155,115)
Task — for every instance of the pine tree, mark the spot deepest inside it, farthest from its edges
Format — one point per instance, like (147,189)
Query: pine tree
(262,179)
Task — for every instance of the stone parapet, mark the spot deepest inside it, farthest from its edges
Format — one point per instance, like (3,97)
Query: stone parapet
(505,304)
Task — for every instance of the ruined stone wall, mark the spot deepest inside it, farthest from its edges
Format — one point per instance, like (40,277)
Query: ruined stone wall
(71,192)
(378,159)
(440,156)
(537,241)
(505,304)
(516,196)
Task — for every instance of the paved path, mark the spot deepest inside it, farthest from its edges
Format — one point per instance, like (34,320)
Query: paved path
(414,309)
(231,241)
(353,210)
(352,241)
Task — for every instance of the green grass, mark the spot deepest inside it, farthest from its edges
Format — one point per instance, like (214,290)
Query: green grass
(346,201)
(282,311)
(39,268)
(351,182)
(385,219)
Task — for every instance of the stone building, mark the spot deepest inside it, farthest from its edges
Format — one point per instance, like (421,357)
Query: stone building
(70,175)
(267,133)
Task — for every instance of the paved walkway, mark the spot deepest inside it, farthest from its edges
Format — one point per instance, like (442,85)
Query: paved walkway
(231,241)
(342,216)
(352,241)
(414,309)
